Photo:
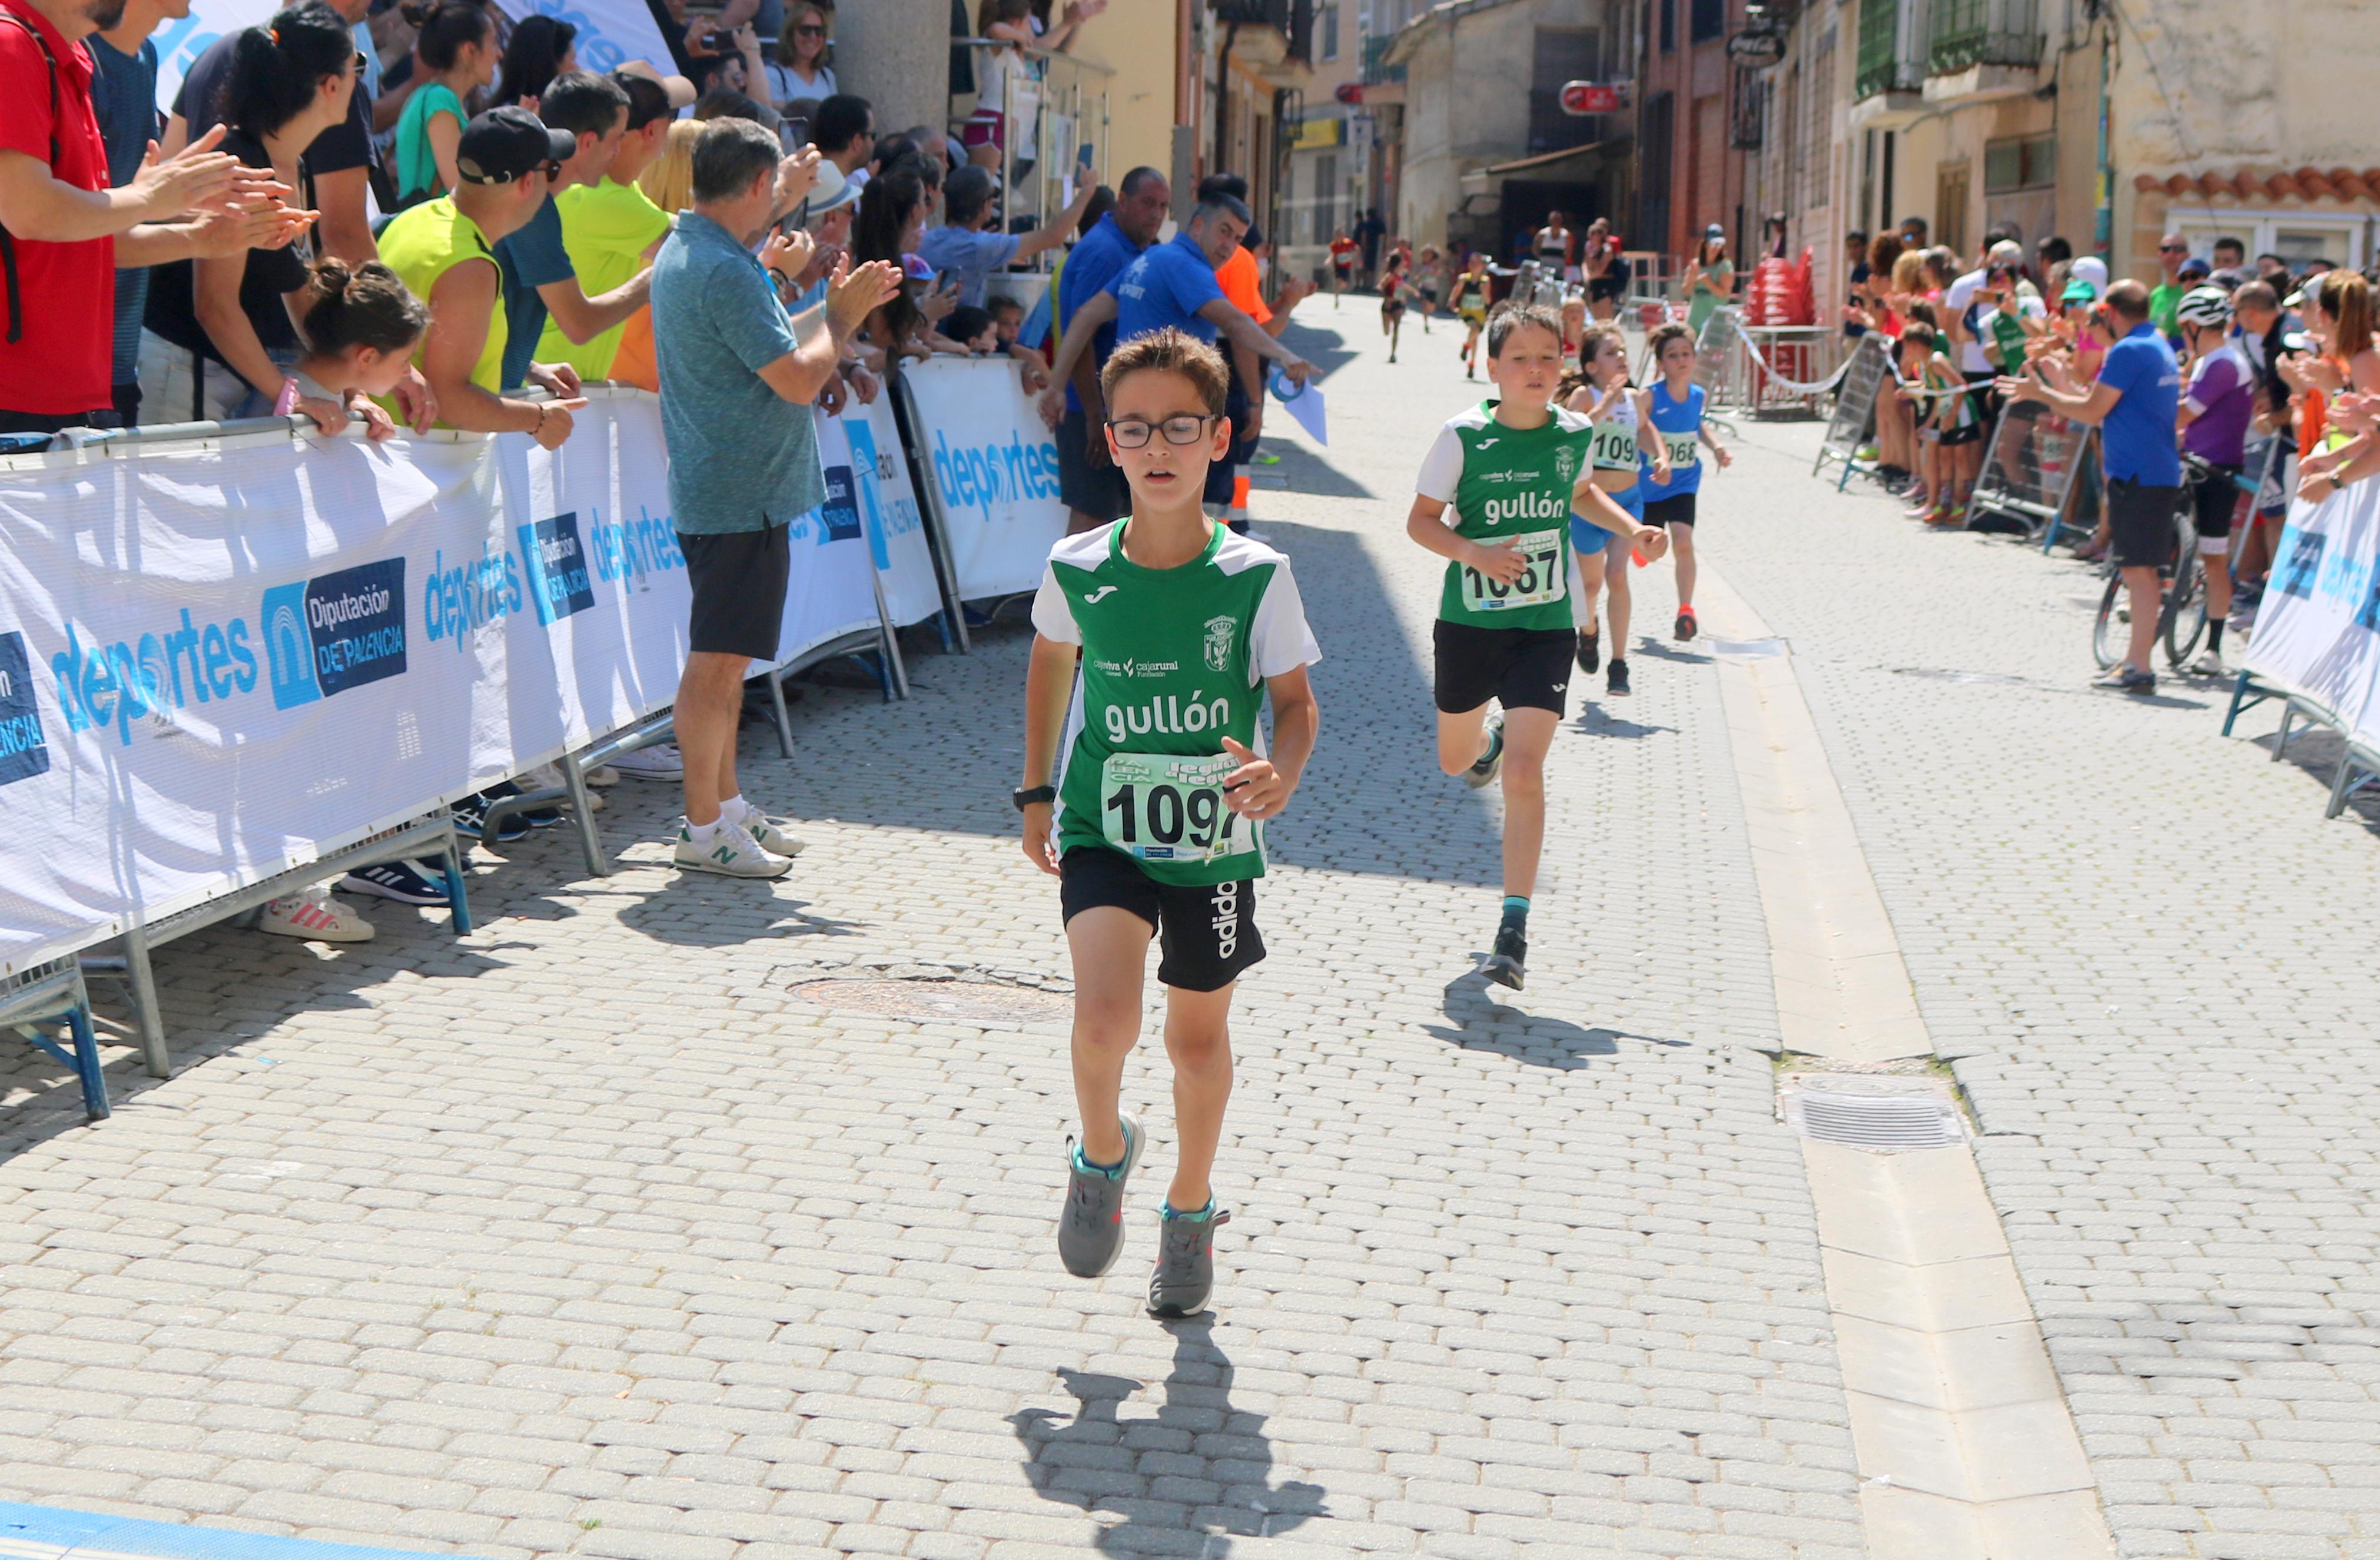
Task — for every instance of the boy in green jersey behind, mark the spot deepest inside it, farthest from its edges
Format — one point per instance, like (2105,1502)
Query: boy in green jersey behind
(1179,631)
(1513,472)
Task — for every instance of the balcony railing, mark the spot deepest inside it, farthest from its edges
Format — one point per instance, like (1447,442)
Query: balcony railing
(1971,33)
(1889,58)
(1374,73)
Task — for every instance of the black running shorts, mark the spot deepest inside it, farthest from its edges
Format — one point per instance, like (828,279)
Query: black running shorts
(1207,933)
(1096,489)
(1676,509)
(739,590)
(2140,522)
(2215,501)
(1522,668)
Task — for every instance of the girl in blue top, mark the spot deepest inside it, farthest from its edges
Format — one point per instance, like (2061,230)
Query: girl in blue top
(1676,412)
(1619,411)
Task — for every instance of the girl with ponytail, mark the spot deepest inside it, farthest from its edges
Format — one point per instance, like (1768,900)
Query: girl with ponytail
(361,326)
(455,40)
(289,80)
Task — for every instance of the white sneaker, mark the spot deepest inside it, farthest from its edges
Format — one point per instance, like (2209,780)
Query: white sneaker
(659,761)
(602,775)
(544,777)
(772,835)
(732,852)
(2208,664)
(315,916)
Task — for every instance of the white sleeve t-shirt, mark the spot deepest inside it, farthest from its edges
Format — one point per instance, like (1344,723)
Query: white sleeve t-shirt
(1441,468)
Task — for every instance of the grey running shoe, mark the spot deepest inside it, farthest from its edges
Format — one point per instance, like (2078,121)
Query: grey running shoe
(1091,1230)
(1185,1275)
(1508,966)
(1484,771)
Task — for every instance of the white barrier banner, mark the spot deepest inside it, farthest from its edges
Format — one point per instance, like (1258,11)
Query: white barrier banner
(888,504)
(995,472)
(611,33)
(2318,628)
(180,41)
(218,663)
(831,591)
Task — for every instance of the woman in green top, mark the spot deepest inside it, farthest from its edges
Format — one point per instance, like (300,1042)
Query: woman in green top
(1709,280)
(458,47)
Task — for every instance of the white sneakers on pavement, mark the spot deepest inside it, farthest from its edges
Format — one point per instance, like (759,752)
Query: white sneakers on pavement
(772,834)
(731,852)
(315,916)
(659,761)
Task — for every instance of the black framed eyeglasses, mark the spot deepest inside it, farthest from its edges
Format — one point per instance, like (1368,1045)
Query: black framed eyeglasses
(808,29)
(357,64)
(1132,432)
(552,171)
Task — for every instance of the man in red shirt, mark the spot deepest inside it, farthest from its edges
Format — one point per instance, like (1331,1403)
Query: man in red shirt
(65,231)
(1344,253)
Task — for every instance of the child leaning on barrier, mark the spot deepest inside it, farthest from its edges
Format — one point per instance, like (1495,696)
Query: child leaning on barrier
(362,323)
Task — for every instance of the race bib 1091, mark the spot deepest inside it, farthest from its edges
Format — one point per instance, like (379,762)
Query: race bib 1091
(1543,580)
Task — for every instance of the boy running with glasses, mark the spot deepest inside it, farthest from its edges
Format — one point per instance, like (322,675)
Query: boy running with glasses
(1512,471)
(1179,631)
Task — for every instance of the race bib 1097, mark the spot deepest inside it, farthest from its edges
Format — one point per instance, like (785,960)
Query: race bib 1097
(1612,448)
(1164,806)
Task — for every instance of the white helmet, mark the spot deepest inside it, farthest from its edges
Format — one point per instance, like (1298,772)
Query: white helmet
(2204,306)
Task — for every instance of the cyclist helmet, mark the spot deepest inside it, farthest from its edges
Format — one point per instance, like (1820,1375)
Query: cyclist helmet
(2204,306)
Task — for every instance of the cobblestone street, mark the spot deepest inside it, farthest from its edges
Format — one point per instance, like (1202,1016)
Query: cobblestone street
(624,1227)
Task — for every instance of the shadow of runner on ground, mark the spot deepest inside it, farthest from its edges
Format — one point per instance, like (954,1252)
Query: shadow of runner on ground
(1480,1023)
(1186,1482)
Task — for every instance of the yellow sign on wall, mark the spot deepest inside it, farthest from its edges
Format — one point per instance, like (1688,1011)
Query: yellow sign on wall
(1315,135)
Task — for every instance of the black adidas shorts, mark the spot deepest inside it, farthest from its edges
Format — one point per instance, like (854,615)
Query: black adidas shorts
(1522,668)
(1207,933)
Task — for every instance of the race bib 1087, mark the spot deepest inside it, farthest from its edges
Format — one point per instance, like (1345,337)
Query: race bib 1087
(1543,580)
(1164,806)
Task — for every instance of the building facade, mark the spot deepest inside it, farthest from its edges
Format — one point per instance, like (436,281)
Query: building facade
(1697,124)
(1487,148)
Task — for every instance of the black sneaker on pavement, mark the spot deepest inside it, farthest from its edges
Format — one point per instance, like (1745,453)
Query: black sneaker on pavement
(1090,1229)
(1590,650)
(400,881)
(1615,678)
(2126,679)
(471,818)
(1185,1275)
(1505,966)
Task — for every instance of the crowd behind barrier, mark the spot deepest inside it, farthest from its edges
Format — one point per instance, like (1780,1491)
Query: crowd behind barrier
(231,654)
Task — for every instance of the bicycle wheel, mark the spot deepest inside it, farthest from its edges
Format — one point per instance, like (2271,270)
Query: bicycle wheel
(2112,632)
(2184,613)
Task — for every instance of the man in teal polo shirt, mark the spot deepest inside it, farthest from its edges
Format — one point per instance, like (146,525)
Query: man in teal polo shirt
(737,376)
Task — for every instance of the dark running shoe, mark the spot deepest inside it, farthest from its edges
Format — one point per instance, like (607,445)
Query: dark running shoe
(2127,680)
(471,818)
(400,881)
(1185,1275)
(1505,966)
(1090,1229)
(1484,771)
(1685,626)
(1615,678)
(1590,650)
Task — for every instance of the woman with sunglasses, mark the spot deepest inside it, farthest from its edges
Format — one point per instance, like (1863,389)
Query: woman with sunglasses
(805,64)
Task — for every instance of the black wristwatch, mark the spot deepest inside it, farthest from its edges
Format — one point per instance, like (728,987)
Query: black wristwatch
(1025,798)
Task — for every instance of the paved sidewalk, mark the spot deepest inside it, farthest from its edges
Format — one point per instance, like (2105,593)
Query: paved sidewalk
(2157,964)
(585,1235)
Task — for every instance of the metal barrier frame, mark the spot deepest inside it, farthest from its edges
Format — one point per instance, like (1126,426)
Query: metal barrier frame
(424,838)
(2036,515)
(54,993)
(1846,448)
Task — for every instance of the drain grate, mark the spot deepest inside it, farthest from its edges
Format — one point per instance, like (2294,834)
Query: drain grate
(1884,1114)
(939,999)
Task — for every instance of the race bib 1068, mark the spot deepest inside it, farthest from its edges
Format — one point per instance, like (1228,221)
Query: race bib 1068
(1684,450)
(1612,448)
(1543,580)
(1163,807)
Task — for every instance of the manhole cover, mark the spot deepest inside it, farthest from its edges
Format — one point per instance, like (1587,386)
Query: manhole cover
(1935,673)
(1746,649)
(1874,1112)
(939,1001)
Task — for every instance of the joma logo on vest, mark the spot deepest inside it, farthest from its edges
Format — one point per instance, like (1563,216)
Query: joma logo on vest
(1167,716)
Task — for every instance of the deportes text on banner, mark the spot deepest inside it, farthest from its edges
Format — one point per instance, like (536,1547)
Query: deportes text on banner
(888,505)
(995,472)
(830,592)
(2318,628)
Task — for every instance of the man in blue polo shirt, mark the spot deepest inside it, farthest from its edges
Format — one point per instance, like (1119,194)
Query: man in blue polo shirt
(2134,401)
(1171,285)
(1089,484)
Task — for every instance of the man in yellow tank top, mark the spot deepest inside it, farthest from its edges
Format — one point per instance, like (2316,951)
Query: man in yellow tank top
(445,251)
